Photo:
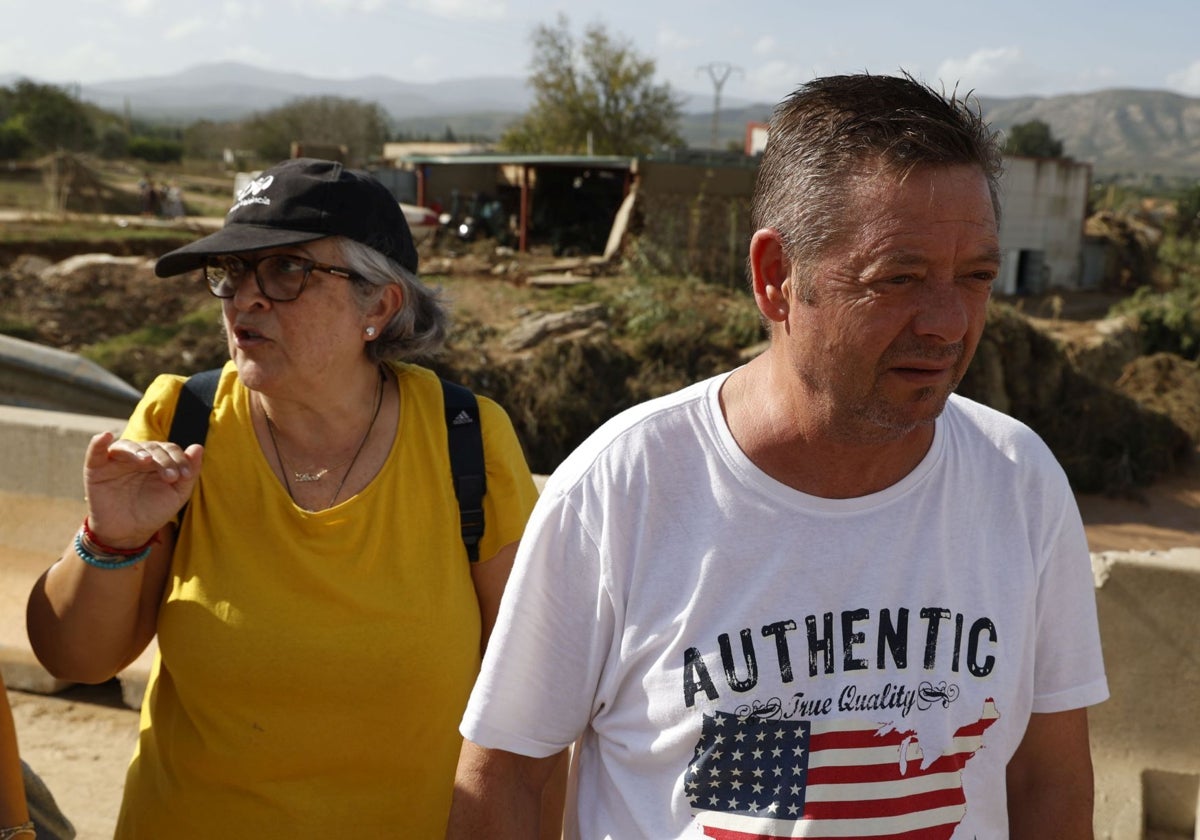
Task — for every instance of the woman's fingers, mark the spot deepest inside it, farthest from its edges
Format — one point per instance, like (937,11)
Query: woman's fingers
(133,488)
(171,462)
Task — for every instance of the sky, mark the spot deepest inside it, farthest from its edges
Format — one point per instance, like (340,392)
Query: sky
(762,49)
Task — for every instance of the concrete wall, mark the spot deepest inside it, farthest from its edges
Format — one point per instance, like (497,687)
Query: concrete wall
(1044,205)
(35,376)
(41,506)
(1145,739)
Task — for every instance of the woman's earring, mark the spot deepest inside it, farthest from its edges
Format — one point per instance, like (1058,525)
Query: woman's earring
(370,332)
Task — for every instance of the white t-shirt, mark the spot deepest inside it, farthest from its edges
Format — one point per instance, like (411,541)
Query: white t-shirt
(737,656)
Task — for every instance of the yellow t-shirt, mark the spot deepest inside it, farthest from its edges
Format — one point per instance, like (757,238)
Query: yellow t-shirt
(313,667)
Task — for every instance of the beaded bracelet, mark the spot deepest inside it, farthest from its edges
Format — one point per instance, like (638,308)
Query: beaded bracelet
(25,829)
(105,561)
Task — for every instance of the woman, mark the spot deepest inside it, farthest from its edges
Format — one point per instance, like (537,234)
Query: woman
(319,625)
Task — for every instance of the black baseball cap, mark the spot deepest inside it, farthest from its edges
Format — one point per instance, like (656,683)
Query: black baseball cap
(300,200)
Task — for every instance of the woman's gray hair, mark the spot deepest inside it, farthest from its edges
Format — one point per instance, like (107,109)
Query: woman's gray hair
(418,330)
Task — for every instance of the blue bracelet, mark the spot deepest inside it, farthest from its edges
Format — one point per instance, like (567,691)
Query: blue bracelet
(119,563)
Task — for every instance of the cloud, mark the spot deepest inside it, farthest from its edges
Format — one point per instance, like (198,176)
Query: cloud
(137,8)
(772,81)
(764,46)
(235,12)
(672,40)
(999,71)
(364,6)
(82,60)
(1186,80)
(184,29)
(462,9)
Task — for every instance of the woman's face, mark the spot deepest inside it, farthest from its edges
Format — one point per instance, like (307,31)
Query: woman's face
(296,347)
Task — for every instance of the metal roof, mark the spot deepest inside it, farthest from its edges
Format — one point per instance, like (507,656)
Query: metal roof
(500,159)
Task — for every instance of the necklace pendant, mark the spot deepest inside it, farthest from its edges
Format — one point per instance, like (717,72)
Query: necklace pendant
(312,476)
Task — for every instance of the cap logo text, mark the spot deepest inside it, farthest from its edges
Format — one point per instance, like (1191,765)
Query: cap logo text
(250,194)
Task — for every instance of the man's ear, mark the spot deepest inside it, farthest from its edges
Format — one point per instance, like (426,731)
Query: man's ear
(769,270)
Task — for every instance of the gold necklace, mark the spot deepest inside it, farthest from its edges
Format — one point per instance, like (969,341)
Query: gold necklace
(319,474)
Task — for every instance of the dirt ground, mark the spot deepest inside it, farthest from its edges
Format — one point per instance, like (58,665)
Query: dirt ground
(1166,516)
(80,741)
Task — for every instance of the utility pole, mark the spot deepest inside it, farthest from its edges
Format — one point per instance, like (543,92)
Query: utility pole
(719,72)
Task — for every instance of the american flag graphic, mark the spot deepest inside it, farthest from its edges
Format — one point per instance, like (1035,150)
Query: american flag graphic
(758,779)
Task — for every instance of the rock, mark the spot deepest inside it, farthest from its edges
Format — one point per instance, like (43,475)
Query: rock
(536,329)
(91,266)
(30,264)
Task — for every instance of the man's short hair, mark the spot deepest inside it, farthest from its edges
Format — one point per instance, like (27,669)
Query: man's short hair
(838,127)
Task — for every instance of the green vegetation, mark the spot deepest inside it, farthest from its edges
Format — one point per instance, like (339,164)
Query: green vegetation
(1168,321)
(597,96)
(1033,139)
(43,118)
(44,234)
(1187,214)
(321,120)
(656,335)
(38,120)
(139,356)
(155,150)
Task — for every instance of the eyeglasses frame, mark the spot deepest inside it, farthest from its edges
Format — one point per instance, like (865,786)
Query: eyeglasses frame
(252,267)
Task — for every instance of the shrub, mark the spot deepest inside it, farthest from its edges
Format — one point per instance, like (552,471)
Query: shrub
(155,150)
(1168,322)
(15,141)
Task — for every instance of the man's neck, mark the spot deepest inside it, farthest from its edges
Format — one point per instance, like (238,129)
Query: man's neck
(777,431)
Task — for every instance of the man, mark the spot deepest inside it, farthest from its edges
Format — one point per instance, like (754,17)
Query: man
(819,596)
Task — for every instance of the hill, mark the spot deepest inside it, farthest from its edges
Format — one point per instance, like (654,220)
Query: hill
(1120,132)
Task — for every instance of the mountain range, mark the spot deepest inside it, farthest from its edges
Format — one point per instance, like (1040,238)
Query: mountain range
(1135,133)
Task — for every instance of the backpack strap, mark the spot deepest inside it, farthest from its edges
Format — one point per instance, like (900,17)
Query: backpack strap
(465,441)
(463,434)
(190,423)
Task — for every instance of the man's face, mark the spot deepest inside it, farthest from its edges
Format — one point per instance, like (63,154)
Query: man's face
(896,308)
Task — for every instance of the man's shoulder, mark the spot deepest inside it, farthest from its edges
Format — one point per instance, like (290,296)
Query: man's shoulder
(636,432)
(989,421)
(983,427)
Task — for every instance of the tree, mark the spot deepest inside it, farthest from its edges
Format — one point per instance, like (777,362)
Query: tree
(359,126)
(598,95)
(1033,139)
(155,149)
(208,140)
(113,142)
(14,139)
(52,118)
(1187,215)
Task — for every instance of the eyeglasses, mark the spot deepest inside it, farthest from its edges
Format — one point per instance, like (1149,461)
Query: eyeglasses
(280,277)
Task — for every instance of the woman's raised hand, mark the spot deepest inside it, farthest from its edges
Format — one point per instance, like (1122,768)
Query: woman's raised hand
(133,488)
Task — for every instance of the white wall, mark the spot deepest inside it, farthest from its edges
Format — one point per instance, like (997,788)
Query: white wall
(1044,206)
